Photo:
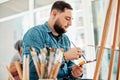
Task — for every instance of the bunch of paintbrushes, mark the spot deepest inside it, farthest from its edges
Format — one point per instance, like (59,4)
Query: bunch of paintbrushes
(47,62)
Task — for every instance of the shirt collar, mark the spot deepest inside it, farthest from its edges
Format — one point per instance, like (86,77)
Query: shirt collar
(47,27)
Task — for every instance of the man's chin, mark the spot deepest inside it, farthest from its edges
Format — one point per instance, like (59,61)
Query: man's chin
(62,33)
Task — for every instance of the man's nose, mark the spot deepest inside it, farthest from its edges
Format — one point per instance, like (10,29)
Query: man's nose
(70,23)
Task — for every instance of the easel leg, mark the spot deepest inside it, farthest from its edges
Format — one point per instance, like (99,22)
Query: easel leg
(114,44)
(118,70)
(103,41)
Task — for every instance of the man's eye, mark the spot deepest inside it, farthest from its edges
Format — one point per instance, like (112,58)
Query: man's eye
(67,18)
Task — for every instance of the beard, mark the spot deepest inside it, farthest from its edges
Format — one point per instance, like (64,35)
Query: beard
(58,28)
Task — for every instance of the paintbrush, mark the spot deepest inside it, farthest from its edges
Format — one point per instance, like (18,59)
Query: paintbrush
(83,62)
(87,61)
(78,50)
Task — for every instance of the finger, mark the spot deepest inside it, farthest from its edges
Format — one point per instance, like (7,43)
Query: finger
(79,52)
(80,69)
(77,70)
(79,49)
(77,57)
(73,74)
(76,73)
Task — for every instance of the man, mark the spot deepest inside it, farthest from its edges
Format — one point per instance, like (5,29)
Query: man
(52,34)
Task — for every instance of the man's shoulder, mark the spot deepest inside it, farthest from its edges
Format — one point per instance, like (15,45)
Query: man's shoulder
(35,32)
(41,27)
(35,29)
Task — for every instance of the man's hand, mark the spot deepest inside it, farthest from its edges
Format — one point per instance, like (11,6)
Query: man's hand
(77,71)
(73,53)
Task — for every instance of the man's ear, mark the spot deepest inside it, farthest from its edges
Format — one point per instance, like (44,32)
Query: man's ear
(54,12)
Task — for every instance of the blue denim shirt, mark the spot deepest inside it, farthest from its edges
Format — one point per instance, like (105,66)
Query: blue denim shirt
(39,36)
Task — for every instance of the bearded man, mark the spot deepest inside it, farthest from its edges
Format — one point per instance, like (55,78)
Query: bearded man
(51,34)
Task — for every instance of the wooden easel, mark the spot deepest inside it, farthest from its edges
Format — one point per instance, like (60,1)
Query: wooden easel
(103,41)
(118,70)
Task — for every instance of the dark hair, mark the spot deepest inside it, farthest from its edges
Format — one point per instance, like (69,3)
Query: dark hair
(61,5)
(18,44)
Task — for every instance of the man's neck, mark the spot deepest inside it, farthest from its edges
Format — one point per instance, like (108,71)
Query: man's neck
(50,24)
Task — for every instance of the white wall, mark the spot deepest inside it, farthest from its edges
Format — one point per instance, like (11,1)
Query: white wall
(9,33)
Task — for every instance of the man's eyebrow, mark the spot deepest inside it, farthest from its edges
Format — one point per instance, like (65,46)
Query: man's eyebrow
(69,17)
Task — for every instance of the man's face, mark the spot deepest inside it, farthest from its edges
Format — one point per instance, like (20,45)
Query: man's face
(63,21)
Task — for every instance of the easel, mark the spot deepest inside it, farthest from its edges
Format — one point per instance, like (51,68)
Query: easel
(118,70)
(114,44)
